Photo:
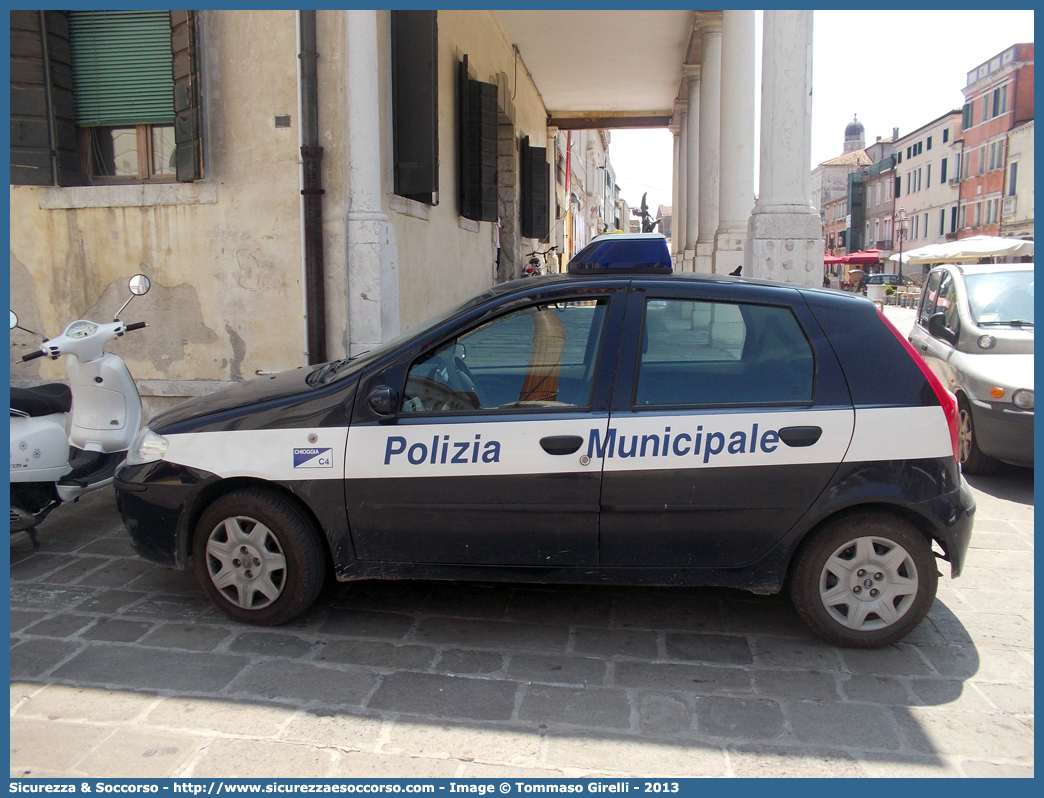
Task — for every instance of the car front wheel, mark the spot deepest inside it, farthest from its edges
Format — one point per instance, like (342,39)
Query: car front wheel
(865,580)
(973,461)
(258,559)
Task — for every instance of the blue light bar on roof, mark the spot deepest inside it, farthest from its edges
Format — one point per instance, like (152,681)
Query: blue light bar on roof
(618,254)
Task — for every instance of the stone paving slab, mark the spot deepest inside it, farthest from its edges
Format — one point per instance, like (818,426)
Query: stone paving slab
(121,667)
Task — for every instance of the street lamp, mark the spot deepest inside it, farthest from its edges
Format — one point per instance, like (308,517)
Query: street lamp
(900,230)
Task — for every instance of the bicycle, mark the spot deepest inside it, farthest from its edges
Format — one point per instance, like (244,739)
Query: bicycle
(534,267)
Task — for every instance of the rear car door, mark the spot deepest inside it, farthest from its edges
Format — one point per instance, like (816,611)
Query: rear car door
(484,460)
(728,421)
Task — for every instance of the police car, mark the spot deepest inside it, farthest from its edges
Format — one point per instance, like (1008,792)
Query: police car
(616,424)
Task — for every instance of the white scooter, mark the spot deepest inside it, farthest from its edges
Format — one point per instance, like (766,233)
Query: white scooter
(49,466)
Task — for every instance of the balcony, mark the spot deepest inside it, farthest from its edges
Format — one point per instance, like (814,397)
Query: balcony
(951,236)
(884,243)
(954,181)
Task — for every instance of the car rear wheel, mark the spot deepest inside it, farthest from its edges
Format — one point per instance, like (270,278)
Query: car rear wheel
(973,461)
(866,580)
(258,559)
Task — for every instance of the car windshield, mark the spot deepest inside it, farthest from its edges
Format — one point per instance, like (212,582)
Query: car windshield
(339,369)
(1001,298)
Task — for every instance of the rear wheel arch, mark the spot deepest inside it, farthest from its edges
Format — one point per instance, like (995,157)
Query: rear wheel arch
(896,511)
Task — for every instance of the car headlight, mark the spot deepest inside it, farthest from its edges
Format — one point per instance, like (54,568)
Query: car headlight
(987,342)
(1023,399)
(146,448)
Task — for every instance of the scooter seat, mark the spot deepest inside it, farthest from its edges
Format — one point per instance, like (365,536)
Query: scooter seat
(43,400)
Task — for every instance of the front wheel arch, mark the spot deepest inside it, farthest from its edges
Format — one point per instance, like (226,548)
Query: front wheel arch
(211,493)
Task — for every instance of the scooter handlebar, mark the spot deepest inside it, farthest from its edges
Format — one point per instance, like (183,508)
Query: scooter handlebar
(33,355)
(137,325)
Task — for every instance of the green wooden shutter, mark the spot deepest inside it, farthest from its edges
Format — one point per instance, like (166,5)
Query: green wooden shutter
(122,67)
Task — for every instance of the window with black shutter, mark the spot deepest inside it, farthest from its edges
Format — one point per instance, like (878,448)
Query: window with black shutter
(535,190)
(415,104)
(476,147)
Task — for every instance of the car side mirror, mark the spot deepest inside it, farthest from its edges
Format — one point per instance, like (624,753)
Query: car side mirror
(382,400)
(937,329)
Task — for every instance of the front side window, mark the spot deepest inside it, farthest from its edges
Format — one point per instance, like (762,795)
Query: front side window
(947,303)
(931,292)
(717,353)
(539,357)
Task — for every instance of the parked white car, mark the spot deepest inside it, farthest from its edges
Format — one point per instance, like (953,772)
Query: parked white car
(974,328)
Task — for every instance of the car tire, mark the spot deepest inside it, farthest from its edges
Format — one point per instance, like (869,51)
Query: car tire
(839,567)
(258,558)
(973,461)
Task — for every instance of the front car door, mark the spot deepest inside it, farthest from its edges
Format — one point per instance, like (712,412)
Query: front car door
(728,422)
(484,461)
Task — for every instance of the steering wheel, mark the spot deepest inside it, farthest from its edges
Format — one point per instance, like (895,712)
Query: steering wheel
(467,379)
(434,395)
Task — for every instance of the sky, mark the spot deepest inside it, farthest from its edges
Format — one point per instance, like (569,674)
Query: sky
(890,68)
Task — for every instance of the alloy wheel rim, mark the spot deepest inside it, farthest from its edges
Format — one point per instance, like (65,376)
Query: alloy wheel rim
(245,562)
(964,434)
(868,583)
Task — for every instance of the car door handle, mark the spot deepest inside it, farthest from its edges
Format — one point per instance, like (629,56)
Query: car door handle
(561,444)
(800,436)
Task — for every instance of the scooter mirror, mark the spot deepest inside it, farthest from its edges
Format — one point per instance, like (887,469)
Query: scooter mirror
(139,285)
(14,319)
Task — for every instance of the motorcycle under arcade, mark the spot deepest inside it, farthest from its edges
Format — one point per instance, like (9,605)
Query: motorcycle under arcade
(68,439)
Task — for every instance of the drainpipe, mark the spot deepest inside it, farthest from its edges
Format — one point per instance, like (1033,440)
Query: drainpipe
(312,192)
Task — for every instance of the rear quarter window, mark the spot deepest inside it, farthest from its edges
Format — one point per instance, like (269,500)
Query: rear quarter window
(878,369)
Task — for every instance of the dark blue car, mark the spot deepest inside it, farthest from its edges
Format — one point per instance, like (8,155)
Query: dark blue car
(617,424)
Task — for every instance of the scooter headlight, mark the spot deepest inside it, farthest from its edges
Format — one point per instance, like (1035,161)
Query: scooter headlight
(146,448)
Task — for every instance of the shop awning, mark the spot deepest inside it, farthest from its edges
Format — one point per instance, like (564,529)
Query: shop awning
(865,256)
(831,260)
(969,249)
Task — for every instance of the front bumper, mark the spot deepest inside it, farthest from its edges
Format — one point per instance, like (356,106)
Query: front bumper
(153,500)
(1004,432)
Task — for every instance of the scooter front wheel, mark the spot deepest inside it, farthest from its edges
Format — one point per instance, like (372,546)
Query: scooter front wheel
(257,557)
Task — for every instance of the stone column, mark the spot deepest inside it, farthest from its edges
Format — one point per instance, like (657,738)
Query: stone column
(676,244)
(683,199)
(692,166)
(373,261)
(710,111)
(736,189)
(785,233)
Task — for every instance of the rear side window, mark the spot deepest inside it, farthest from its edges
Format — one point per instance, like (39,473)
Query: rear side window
(718,353)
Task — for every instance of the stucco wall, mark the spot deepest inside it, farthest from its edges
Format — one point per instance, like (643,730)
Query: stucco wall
(442,259)
(224,255)
(224,259)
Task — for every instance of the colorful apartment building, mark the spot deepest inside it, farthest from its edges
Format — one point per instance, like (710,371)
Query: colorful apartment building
(997,98)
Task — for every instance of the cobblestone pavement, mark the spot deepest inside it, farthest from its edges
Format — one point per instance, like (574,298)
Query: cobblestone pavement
(120,668)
